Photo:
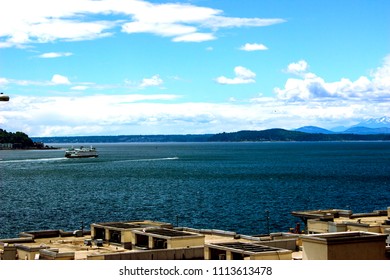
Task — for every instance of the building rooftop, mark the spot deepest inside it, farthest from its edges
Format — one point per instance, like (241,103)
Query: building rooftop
(140,236)
(345,237)
(133,224)
(167,232)
(84,246)
(247,247)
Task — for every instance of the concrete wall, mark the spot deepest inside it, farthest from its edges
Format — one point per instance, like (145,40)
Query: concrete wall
(8,252)
(344,246)
(171,242)
(28,253)
(357,251)
(184,242)
(363,227)
(195,253)
(335,227)
(278,255)
(288,244)
(215,254)
(126,237)
(55,255)
(314,251)
(315,226)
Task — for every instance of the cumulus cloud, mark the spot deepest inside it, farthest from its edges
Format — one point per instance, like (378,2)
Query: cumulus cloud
(43,21)
(304,100)
(153,81)
(60,80)
(253,47)
(243,76)
(381,76)
(143,114)
(308,86)
(297,67)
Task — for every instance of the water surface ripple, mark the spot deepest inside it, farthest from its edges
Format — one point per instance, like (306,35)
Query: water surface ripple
(226,186)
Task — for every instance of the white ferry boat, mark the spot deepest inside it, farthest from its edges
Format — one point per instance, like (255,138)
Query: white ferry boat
(81,152)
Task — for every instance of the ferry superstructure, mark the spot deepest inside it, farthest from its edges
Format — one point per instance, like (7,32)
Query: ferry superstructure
(81,152)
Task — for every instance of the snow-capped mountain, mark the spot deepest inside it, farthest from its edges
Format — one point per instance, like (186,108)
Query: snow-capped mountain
(375,123)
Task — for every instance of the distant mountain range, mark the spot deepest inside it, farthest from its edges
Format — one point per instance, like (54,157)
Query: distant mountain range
(369,130)
(370,126)
(376,123)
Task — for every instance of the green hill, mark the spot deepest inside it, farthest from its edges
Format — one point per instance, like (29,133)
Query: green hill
(19,140)
(278,134)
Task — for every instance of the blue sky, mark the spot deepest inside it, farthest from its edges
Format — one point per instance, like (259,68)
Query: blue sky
(109,67)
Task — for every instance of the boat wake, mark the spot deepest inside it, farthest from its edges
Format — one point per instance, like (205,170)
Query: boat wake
(37,160)
(149,159)
(32,160)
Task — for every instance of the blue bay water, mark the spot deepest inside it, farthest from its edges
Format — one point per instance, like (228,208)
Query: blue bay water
(227,186)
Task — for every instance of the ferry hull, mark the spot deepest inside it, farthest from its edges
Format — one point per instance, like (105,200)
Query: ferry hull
(81,156)
(81,153)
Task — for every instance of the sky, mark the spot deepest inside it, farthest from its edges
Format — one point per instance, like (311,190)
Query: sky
(117,67)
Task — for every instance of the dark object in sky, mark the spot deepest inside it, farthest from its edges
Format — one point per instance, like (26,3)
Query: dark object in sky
(4,97)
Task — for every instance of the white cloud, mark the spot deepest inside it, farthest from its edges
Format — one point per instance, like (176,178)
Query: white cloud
(55,54)
(195,37)
(381,76)
(253,47)
(55,80)
(25,22)
(153,81)
(243,76)
(3,81)
(79,88)
(60,80)
(305,100)
(311,87)
(219,22)
(142,114)
(162,29)
(297,68)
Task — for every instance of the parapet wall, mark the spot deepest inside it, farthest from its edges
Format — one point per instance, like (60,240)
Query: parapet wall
(193,253)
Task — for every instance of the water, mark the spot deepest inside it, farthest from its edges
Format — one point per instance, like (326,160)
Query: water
(227,186)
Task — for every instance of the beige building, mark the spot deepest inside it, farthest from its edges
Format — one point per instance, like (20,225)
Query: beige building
(344,246)
(121,232)
(244,251)
(334,234)
(335,220)
(160,238)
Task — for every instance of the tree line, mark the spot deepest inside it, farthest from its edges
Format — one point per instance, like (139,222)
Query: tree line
(19,139)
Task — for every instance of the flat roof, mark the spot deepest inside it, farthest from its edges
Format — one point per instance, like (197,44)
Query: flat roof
(247,247)
(345,237)
(124,225)
(315,214)
(339,213)
(168,232)
(133,224)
